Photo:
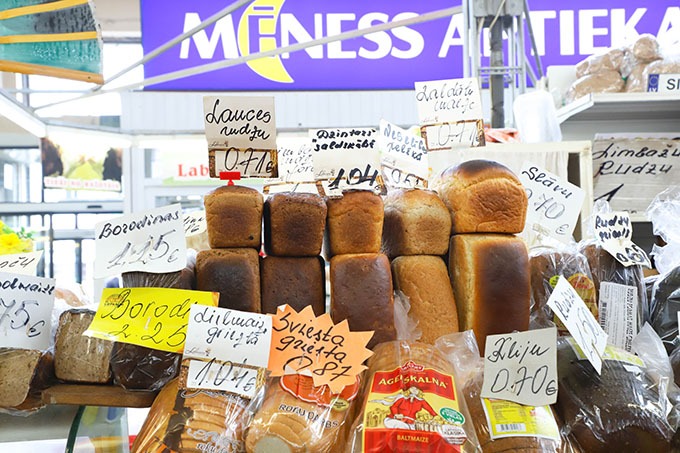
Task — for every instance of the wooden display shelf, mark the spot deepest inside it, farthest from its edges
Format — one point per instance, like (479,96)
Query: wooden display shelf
(96,395)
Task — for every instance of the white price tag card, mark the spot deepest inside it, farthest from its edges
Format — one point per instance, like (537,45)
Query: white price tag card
(149,241)
(26,304)
(614,231)
(21,263)
(403,157)
(663,83)
(195,223)
(347,158)
(228,335)
(554,204)
(223,376)
(448,101)
(295,159)
(241,134)
(581,324)
(522,367)
(459,134)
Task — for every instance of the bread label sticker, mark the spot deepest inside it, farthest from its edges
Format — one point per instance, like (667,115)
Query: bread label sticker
(413,408)
(26,304)
(611,353)
(614,231)
(303,388)
(295,159)
(241,134)
(508,419)
(155,318)
(403,157)
(619,313)
(580,322)
(346,158)
(448,101)
(227,377)
(195,223)
(521,367)
(148,241)
(228,335)
(21,263)
(307,344)
(554,204)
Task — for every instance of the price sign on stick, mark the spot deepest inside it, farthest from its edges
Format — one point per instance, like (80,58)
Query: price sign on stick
(580,323)
(614,231)
(26,304)
(21,263)
(522,367)
(241,134)
(149,241)
(554,204)
(403,157)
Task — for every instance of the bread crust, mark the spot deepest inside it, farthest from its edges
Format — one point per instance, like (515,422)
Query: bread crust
(234,217)
(354,223)
(294,224)
(295,281)
(234,273)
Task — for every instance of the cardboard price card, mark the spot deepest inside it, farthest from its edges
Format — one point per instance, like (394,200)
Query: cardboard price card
(581,324)
(522,367)
(149,241)
(307,344)
(458,134)
(554,204)
(26,304)
(448,101)
(223,376)
(614,231)
(295,159)
(152,317)
(21,263)
(241,134)
(195,223)
(403,157)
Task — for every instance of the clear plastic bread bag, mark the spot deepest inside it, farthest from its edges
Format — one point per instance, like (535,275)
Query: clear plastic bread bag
(664,212)
(611,60)
(606,81)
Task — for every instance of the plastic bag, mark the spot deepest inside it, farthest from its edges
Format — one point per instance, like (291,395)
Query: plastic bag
(646,49)
(536,117)
(607,81)
(612,60)
(24,374)
(411,403)
(297,416)
(636,82)
(621,409)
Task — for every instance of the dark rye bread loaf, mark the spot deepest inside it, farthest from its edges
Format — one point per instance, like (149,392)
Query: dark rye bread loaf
(234,274)
(234,217)
(354,223)
(298,282)
(294,224)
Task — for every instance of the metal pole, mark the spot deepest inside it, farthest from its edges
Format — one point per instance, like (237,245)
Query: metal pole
(496,83)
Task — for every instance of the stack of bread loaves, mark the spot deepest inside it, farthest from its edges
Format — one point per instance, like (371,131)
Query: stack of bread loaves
(361,280)
(488,264)
(416,234)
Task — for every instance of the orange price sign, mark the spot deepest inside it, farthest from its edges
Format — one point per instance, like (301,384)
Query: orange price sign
(307,344)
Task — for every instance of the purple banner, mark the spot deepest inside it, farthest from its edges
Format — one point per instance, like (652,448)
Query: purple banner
(392,59)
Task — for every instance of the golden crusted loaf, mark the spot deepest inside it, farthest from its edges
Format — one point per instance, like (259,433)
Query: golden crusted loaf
(425,281)
(234,273)
(295,281)
(354,224)
(491,283)
(234,217)
(294,224)
(483,197)
(417,222)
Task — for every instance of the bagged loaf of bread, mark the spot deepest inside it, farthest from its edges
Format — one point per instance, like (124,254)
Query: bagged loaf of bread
(621,409)
(411,403)
(646,49)
(607,81)
(665,305)
(298,417)
(612,60)
(24,373)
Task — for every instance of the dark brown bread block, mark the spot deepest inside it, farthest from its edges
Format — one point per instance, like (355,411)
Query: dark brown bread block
(234,217)
(361,293)
(417,222)
(234,273)
(23,373)
(354,224)
(294,224)
(491,283)
(298,282)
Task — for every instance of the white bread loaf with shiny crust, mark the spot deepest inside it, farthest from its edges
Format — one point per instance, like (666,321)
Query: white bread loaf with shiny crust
(491,283)
(417,222)
(483,196)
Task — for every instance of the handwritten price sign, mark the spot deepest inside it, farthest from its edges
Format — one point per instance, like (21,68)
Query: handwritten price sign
(152,317)
(224,376)
(614,231)
(554,204)
(459,134)
(25,311)
(295,159)
(150,241)
(21,263)
(195,223)
(581,324)
(403,157)
(330,352)
(522,367)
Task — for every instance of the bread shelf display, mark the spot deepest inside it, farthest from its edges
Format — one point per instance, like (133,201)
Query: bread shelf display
(96,395)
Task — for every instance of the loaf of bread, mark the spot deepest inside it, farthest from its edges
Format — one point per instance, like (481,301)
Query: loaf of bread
(618,410)
(24,373)
(417,222)
(491,283)
(606,81)
(234,217)
(354,224)
(665,303)
(294,224)
(298,417)
(361,293)
(483,197)
(79,358)
(234,273)
(298,282)
(425,281)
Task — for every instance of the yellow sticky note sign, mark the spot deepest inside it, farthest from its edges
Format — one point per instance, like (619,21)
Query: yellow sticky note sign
(156,318)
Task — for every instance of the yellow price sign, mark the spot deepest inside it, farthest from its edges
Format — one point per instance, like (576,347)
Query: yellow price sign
(156,318)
